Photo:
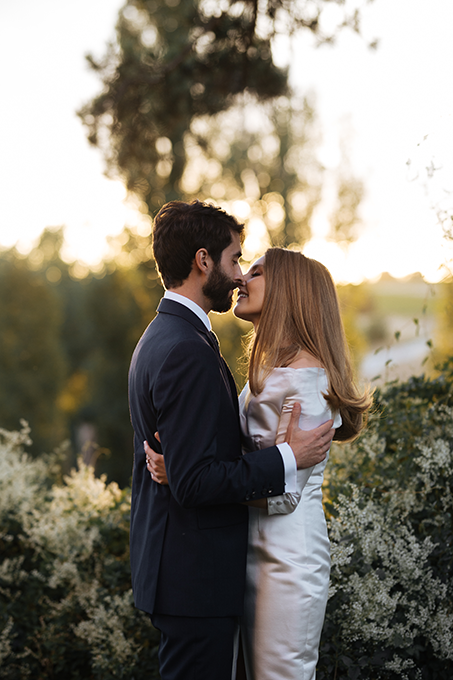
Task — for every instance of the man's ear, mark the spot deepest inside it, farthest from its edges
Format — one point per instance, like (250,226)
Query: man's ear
(202,261)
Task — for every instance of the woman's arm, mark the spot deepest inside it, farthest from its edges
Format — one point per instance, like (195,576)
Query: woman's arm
(287,502)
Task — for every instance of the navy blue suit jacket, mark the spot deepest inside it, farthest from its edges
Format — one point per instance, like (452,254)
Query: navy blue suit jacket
(188,540)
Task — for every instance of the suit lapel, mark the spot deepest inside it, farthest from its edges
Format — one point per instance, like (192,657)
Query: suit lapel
(175,308)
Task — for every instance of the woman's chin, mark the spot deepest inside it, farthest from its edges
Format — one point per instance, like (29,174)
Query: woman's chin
(238,312)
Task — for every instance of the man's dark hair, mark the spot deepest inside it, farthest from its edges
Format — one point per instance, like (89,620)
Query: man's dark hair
(180,229)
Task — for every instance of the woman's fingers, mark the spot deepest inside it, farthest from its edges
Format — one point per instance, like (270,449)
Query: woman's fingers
(155,464)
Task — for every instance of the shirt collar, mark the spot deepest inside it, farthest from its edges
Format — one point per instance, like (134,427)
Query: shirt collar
(190,304)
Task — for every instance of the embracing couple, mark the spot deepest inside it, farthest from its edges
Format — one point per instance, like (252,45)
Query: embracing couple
(228,536)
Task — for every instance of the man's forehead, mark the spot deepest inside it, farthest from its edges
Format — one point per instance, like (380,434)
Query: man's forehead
(235,246)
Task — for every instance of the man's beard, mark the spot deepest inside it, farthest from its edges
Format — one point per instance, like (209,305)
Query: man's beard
(218,288)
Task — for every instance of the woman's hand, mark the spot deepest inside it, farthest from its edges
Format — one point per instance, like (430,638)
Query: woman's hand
(155,463)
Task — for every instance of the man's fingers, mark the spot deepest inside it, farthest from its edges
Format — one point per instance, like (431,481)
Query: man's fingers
(293,421)
(325,428)
(324,434)
(327,438)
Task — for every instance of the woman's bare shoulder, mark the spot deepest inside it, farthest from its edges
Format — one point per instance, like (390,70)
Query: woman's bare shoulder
(305,360)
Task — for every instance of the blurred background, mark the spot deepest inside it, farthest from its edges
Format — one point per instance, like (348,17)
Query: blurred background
(324,125)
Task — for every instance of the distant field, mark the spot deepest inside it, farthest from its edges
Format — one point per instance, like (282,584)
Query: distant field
(403,342)
(406,299)
(404,305)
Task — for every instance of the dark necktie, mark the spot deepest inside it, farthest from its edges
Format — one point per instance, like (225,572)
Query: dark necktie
(223,366)
(215,341)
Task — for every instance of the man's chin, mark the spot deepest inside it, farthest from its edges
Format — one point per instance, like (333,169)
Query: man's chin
(222,307)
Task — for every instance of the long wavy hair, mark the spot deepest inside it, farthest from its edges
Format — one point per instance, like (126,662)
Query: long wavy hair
(301,312)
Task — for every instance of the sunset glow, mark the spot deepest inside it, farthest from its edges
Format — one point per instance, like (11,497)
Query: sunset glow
(394,101)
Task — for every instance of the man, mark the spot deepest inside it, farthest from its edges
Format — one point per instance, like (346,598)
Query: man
(189,539)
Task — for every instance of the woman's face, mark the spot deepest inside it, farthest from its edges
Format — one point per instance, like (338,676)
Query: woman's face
(251,294)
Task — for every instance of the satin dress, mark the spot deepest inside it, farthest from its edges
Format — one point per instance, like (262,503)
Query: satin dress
(288,560)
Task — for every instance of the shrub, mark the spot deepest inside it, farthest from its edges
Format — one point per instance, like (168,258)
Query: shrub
(390,612)
(66,607)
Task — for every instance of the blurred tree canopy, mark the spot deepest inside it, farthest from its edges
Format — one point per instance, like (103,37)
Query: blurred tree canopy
(32,363)
(66,343)
(193,104)
(444,346)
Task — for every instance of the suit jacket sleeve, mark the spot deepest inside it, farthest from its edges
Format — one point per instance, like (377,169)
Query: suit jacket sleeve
(188,399)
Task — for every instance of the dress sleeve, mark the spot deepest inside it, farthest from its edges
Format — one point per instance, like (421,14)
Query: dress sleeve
(306,388)
(283,505)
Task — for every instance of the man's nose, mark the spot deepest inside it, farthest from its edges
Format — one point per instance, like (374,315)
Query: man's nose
(239,278)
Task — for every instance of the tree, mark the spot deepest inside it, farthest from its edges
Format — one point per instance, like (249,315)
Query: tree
(107,313)
(32,362)
(265,157)
(176,67)
(443,346)
(66,343)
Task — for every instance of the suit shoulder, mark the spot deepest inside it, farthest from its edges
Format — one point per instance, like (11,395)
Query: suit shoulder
(173,337)
(191,350)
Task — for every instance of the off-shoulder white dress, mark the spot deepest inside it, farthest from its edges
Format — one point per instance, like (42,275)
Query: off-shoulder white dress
(288,561)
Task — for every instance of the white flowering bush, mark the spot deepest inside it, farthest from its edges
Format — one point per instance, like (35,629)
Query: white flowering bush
(66,607)
(390,611)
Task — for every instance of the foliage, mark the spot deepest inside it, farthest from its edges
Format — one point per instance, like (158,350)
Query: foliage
(66,344)
(174,63)
(32,362)
(264,157)
(194,105)
(64,555)
(444,345)
(390,611)
(66,608)
(356,302)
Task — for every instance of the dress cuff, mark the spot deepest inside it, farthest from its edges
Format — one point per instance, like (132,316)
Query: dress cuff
(289,463)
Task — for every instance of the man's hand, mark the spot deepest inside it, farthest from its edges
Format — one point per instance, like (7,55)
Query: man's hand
(155,463)
(310,447)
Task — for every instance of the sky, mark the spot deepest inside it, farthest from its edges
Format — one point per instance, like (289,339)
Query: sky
(395,104)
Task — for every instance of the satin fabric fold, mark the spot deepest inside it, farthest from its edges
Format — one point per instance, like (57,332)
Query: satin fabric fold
(288,559)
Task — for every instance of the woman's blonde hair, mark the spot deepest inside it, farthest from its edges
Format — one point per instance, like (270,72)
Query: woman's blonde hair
(301,312)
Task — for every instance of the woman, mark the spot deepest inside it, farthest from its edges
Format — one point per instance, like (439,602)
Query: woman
(298,354)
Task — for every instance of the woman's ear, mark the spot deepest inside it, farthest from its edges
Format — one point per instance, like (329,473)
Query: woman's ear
(202,260)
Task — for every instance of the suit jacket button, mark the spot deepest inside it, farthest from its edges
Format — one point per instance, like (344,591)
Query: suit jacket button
(247,498)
